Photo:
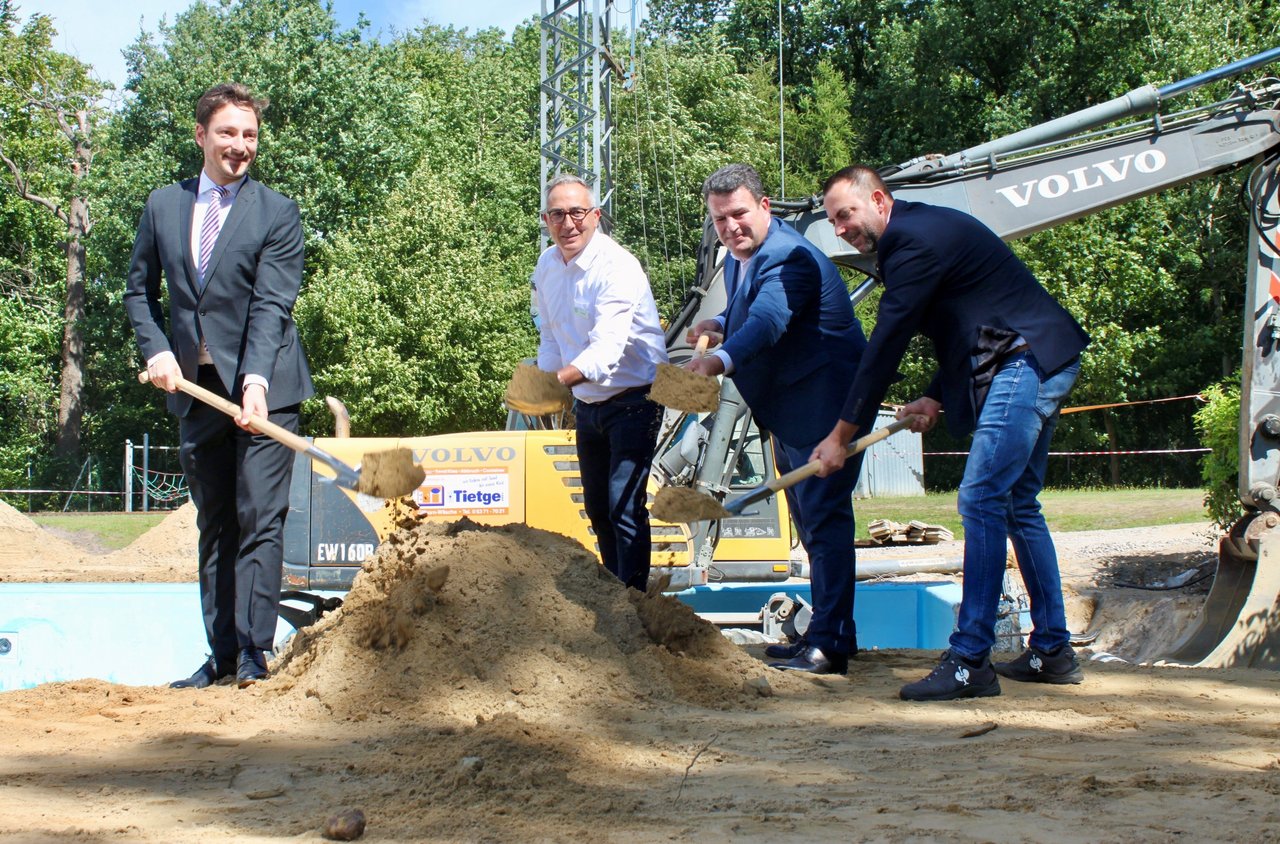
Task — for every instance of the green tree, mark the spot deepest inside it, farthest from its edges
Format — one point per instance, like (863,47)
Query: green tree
(688,113)
(48,119)
(823,139)
(336,138)
(412,322)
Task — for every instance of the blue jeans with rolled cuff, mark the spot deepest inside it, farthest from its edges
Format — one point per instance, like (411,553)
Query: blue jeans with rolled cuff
(616,440)
(998,500)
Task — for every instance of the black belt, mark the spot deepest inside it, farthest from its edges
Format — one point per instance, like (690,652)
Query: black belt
(643,388)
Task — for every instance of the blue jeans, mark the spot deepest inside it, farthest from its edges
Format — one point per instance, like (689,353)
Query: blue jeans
(616,440)
(1002,477)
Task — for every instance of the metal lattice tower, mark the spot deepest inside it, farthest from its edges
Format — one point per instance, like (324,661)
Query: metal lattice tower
(576,134)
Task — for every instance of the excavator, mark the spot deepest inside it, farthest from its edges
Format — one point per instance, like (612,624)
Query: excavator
(1043,176)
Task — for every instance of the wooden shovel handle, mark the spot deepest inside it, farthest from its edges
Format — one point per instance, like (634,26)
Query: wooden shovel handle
(271,429)
(701,349)
(795,476)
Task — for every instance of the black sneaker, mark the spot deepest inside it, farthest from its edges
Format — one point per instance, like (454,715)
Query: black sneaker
(1037,666)
(955,677)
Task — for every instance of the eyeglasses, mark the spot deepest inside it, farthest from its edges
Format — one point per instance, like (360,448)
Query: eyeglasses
(557,215)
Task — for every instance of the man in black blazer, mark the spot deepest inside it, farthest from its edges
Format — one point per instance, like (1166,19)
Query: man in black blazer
(230,252)
(1008,354)
(791,343)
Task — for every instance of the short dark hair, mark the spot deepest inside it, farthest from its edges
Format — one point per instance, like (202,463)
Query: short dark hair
(731,177)
(863,177)
(228,93)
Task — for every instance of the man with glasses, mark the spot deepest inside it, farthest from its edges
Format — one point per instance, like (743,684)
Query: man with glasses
(601,337)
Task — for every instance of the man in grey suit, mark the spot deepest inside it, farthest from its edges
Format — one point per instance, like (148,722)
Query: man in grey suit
(230,251)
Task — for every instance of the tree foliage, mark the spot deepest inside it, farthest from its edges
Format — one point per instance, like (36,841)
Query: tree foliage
(48,120)
(415,162)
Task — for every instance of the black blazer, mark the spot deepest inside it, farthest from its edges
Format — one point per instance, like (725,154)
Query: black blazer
(244,313)
(946,276)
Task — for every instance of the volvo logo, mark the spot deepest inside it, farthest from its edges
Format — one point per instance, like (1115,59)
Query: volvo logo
(1084,178)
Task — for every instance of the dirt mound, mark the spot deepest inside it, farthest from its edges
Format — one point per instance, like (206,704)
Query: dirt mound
(24,544)
(165,554)
(468,623)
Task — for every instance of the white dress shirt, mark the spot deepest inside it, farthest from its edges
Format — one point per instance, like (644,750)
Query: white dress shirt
(738,288)
(597,313)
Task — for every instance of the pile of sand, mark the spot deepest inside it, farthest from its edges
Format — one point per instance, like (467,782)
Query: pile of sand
(505,658)
(23,544)
(465,622)
(164,554)
(533,391)
(678,388)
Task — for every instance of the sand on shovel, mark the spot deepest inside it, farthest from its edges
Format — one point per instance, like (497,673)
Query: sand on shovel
(678,504)
(389,474)
(536,392)
(678,388)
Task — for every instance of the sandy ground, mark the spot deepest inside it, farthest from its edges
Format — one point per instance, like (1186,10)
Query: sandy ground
(487,685)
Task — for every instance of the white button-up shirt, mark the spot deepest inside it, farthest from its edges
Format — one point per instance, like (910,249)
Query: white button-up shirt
(597,313)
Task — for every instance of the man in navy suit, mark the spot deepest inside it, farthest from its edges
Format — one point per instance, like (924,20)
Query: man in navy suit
(791,343)
(230,253)
(1008,354)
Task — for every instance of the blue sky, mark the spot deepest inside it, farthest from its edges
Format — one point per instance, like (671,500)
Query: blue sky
(96,31)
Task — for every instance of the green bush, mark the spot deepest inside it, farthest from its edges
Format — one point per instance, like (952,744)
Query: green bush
(1218,424)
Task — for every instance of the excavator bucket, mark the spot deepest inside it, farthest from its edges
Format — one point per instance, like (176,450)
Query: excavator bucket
(1239,625)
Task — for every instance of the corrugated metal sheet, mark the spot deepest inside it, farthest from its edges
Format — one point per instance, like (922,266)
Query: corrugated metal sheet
(893,466)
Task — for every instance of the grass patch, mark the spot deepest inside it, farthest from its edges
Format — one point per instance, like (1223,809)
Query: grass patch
(1064,509)
(101,532)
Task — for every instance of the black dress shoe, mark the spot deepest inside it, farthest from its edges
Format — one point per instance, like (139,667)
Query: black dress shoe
(253,666)
(206,675)
(786,651)
(813,661)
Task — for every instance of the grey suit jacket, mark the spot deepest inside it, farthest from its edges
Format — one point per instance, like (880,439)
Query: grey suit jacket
(245,311)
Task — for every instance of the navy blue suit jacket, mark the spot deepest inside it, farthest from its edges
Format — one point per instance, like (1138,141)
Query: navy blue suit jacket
(792,336)
(946,275)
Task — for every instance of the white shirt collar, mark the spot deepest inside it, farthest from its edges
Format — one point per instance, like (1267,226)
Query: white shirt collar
(207,184)
(587,255)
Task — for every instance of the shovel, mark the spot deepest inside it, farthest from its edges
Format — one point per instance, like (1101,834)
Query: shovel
(679,389)
(681,504)
(533,392)
(383,474)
